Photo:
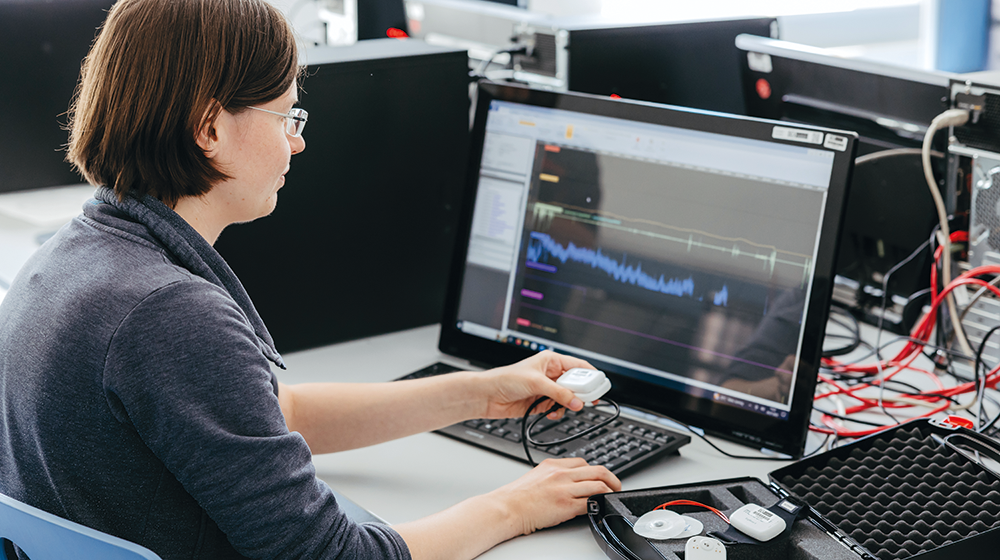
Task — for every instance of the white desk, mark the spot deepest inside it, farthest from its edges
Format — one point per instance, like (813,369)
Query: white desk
(416,476)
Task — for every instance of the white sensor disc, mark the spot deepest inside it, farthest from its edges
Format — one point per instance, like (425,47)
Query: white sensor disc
(660,524)
(692,527)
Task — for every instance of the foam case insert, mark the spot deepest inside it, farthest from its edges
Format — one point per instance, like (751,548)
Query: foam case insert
(919,491)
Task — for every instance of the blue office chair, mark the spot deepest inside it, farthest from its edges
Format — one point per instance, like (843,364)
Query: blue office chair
(43,536)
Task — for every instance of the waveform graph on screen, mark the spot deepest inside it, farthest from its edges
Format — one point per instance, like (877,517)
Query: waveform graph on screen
(682,269)
(542,247)
(580,284)
(733,256)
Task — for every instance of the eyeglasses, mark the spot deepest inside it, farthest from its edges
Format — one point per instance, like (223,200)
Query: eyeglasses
(296,119)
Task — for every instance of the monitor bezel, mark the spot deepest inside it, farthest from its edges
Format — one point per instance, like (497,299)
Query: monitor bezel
(752,429)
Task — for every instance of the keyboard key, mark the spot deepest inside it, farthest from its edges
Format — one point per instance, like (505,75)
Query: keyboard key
(513,436)
(594,435)
(614,463)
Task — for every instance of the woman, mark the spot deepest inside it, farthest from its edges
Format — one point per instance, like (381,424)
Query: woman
(136,394)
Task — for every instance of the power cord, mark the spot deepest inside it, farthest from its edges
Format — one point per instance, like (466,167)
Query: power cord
(949,118)
(526,427)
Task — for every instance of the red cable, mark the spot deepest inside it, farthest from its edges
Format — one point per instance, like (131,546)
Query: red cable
(692,503)
(903,360)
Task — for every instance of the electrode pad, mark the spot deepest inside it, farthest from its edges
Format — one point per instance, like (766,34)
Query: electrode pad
(661,524)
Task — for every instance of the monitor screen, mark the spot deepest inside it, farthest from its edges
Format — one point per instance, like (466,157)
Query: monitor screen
(687,254)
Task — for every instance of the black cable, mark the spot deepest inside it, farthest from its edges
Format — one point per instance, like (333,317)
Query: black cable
(899,338)
(516,49)
(992,422)
(897,266)
(819,447)
(526,428)
(952,400)
(855,337)
(698,433)
(910,300)
(981,386)
(856,421)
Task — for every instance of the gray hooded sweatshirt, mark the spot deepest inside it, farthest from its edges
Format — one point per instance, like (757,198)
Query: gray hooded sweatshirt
(137,398)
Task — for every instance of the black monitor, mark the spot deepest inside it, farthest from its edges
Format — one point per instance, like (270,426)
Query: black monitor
(364,228)
(42,45)
(891,108)
(691,64)
(688,254)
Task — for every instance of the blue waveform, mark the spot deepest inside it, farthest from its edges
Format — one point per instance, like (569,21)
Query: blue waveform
(722,296)
(543,245)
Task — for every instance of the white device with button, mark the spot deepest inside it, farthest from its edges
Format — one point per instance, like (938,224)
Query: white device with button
(588,384)
(757,522)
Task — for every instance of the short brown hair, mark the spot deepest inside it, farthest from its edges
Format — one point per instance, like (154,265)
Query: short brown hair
(152,79)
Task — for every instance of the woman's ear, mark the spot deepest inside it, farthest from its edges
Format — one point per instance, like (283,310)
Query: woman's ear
(207,135)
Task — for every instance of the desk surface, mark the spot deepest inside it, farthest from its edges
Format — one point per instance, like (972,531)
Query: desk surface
(416,476)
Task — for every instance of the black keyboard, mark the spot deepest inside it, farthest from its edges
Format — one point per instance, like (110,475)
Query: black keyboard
(622,446)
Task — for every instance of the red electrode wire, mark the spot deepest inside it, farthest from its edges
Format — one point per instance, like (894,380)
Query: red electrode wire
(902,361)
(692,503)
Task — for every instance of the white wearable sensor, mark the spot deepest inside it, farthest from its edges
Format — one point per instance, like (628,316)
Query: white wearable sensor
(757,522)
(587,384)
(704,548)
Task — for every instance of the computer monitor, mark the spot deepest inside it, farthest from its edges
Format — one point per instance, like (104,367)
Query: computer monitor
(42,45)
(891,108)
(689,63)
(688,254)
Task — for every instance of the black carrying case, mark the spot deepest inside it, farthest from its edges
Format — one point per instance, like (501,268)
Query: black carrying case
(921,490)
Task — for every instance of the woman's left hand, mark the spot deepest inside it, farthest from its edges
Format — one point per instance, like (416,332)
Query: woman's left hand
(512,389)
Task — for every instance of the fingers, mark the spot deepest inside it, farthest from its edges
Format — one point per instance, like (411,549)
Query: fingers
(567,463)
(556,364)
(597,473)
(588,488)
(579,470)
(560,394)
(555,491)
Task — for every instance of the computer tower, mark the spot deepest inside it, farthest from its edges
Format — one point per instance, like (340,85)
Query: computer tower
(361,239)
(350,21)
(975,169)
(377,17)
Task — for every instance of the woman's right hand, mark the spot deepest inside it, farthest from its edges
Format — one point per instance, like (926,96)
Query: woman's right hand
(554,491)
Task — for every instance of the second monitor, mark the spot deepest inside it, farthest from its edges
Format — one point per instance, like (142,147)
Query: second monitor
(891,108)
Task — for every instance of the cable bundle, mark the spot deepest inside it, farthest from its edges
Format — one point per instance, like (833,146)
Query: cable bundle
(856,381)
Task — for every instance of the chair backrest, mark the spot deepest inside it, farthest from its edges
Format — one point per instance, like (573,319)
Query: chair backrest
(43,536)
